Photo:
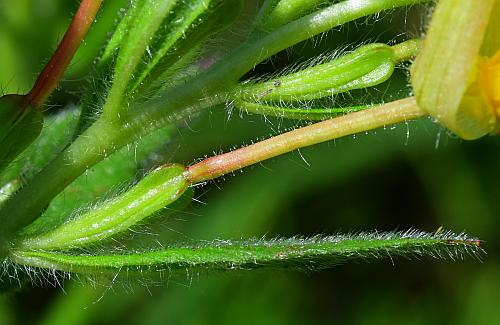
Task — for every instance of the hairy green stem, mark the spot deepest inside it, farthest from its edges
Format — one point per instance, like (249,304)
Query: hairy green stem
(206,89)
(387,114)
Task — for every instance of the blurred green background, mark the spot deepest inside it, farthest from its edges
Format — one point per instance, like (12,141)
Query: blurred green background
(415,175)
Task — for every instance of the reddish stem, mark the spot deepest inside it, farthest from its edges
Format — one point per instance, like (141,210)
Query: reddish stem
(53,71)
(387,114)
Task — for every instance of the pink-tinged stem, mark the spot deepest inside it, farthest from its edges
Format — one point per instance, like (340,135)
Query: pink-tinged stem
(387,114)
(53,71)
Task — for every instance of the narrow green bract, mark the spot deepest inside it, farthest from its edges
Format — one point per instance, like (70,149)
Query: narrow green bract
(298,253)
(309,114)
(157,190)
(190,25)
(145,21)
(184,16)
(139,36)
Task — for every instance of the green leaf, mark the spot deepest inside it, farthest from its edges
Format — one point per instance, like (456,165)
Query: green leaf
(55,135)
(11,111)
(20,126)
(155,191)
(295,253)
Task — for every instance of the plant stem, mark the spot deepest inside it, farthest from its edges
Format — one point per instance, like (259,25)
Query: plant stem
(52,73)
(387,114)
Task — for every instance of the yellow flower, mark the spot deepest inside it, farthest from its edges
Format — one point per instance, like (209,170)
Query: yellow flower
(451,79)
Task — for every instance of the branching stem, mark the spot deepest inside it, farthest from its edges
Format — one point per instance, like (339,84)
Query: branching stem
(108,135)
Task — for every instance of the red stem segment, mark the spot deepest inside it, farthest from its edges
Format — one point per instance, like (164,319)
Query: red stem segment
(387,114)
(52,73)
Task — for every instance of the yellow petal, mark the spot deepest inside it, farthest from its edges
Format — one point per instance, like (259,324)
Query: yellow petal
(489,80)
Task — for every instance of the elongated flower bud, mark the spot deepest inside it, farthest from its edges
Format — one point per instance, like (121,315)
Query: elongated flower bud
(367,66)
